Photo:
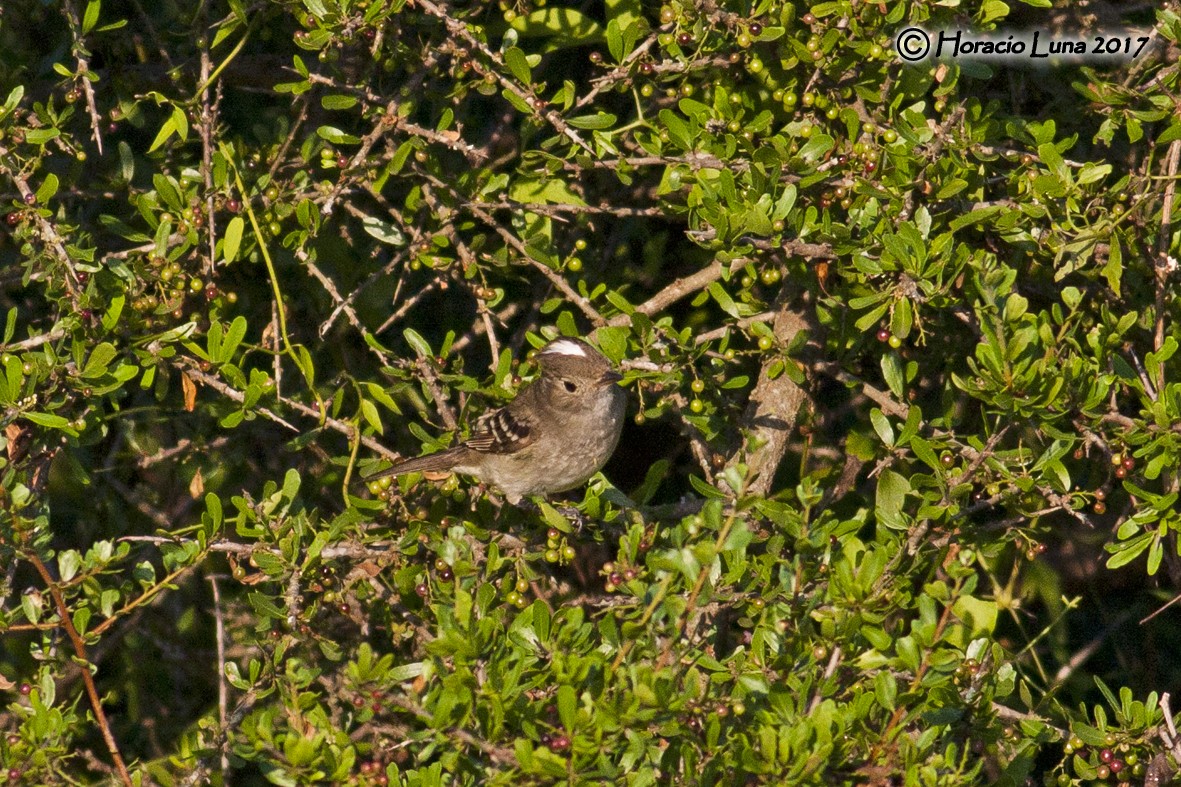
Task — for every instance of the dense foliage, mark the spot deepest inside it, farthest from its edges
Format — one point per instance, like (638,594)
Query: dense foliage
(898,492)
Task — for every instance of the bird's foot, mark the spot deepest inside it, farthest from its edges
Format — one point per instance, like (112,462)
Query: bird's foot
(575,517)
(546,510)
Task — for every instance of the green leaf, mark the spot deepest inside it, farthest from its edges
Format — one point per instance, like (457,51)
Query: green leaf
(881,425)
(213,508)
(100,358)
(383,231)
(678,130)
(600,121)
(417,343)
(1114,268)
(923,450)
(48,189)
(552,518)
(336,136)
(517,63)
(976,613)
(68,563)
(624,12)
(563,26)
(615,40)
(169,192)
(371,416)
(39,136)
(114,310)
(126,161)
(993,10)
(90,16)
(885,689)
(234,335)
(14,98)
(723,298)
(567,706)
(232,241)
(892,371)
(1130,550)
(545,191)
(48,420)
(336,101)
(891,494)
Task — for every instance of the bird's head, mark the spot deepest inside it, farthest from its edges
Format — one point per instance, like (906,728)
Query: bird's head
(575,371)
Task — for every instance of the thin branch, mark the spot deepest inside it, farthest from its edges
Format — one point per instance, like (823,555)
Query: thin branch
(1164,241)
(222,688)
(67,623)
(80,55)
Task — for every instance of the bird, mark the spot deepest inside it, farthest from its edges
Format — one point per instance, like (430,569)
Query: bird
(559,430)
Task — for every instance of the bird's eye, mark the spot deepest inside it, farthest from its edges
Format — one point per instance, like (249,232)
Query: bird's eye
(571,387)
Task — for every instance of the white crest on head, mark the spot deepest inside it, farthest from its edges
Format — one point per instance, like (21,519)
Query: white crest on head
(565,347)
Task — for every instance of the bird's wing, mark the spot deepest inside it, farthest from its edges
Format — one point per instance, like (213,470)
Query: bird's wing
(501,431)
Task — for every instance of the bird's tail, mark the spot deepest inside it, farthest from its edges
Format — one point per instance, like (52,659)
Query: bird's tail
(438,462)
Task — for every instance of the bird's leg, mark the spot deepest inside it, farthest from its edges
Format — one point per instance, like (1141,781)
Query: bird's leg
(569,513)
(573,515)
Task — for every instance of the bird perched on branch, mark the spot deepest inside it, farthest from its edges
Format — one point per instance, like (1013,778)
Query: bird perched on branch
(558,432)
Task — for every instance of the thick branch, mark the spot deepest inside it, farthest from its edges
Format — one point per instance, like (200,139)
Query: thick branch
(773,408)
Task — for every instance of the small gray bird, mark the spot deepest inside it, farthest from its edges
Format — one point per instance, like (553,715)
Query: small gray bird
(557,433)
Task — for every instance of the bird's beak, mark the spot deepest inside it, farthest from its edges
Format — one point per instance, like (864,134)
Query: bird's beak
(610,378)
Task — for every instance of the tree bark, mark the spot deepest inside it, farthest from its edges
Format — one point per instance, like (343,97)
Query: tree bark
(774,406)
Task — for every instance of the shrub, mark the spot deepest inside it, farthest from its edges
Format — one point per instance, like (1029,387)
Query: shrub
(900,342)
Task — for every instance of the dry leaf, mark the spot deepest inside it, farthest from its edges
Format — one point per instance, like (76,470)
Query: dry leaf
(18,441)
(190,391)
(197,485)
